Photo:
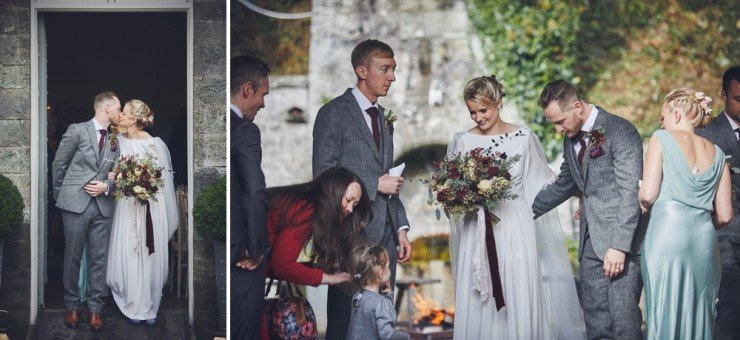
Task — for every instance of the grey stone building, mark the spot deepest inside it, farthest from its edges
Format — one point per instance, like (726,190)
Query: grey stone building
(190,104)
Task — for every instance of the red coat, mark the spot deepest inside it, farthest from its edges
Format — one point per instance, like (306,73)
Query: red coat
(288,243)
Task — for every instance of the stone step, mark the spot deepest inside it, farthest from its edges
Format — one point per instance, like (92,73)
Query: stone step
(171,324)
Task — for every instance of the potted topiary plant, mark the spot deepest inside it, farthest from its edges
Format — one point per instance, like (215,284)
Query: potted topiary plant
(11,212)
(209,218)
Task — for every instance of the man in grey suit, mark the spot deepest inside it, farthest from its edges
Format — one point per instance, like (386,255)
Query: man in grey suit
(350,131)
(248,249)
(603,163)
(724,130)
(84,194)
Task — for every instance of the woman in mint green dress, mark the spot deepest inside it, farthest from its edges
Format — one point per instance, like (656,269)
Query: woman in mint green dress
(686,188)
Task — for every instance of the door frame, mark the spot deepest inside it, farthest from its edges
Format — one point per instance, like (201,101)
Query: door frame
(38,124)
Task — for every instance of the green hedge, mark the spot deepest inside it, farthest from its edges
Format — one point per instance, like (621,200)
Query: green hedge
(209,211)
(11,207)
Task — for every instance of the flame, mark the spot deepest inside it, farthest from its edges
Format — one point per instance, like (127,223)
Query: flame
(428,311)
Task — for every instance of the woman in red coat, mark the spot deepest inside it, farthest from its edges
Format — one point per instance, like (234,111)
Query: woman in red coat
(332,210)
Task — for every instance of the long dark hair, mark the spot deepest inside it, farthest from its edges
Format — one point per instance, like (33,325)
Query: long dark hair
(334,237)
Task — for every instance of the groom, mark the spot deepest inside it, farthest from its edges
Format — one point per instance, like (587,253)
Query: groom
(83,193)
(351,132)
(603,161)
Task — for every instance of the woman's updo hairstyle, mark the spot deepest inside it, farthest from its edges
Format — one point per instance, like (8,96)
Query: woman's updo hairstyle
(487,91)
(696,106)
(142,113)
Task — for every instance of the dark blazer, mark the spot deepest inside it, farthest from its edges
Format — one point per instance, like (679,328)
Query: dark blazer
(341,138)
(720,133)
(248,199)
(609,183)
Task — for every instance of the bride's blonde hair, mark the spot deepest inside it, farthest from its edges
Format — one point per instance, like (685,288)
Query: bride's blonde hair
(142,113)
(696,106)
(487,91)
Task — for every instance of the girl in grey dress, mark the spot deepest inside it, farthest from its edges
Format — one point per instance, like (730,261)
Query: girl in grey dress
(373,316)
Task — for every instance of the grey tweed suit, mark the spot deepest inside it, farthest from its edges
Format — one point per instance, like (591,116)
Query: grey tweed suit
(727,324)
(341,137)
(87,219)
(610,219)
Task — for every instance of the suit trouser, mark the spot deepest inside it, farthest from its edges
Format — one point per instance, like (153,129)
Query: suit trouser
(339,303)
(92,228)
(727,324)
(247,300)
(610,306)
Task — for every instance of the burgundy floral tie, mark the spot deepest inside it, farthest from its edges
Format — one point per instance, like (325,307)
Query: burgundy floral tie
(374,113)
(582,141)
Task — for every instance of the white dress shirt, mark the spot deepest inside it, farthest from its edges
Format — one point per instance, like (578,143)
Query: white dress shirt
(733,125)
(586,128)
(236,109)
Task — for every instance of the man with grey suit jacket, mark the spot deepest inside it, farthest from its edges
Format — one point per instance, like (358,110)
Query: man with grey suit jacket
(603,162)
(83,192)
(248,225)
(724,131)
(351,131)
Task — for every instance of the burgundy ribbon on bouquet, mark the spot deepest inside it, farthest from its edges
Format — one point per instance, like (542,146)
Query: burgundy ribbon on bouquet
(149,230)
(498,291)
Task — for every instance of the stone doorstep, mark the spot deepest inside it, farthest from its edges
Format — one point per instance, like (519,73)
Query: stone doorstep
(171,325)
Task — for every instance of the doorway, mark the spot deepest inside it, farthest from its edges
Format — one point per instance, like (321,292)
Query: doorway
(140,50)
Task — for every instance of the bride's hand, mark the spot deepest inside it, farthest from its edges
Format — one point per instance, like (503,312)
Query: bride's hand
(111,176)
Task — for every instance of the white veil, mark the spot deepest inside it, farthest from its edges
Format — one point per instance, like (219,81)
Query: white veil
(168,191)
(563,307)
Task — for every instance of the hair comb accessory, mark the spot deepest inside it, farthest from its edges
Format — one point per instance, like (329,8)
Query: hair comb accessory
(705,102)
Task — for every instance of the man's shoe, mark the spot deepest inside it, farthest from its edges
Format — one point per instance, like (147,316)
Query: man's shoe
(71,320)
(96,323)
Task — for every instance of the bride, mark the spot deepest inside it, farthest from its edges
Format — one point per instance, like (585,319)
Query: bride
(537,288)
(135,273)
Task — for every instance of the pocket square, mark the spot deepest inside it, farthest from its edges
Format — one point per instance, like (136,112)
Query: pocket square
(596,152)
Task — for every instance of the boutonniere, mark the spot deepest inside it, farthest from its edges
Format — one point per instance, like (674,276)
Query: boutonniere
(113,131)
(390,118)
(596,137)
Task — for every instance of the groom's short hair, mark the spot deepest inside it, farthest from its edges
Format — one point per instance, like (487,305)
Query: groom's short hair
(561,91)
(247,69)
(732,73)
(102,97)
(366,50)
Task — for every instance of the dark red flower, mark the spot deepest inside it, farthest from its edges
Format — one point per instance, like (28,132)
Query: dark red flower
(441,197)
(493,171)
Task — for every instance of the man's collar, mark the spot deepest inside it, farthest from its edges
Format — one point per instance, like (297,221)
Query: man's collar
(236,109)
(733,123)
(362,100)
(589,124)
(97,125)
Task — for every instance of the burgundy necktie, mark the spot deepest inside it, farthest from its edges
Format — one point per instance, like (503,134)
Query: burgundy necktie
(103,132)
(374,113)
(581,140)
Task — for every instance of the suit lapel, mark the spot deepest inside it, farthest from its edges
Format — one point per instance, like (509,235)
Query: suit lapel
(92,134)
(570,157)
(729,138)
(385,139)
(598,123)
(357,119)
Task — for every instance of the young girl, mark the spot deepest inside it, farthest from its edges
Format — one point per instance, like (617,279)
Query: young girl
(373,316)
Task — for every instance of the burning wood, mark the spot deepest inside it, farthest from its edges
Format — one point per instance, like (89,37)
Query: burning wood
(428,314)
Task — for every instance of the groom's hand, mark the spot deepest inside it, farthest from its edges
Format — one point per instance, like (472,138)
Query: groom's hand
(613,263)
(389,185)
(96,188)
(249,263)
(404,247)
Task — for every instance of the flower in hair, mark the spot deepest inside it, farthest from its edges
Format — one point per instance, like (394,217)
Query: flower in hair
(705,102)
(357,276)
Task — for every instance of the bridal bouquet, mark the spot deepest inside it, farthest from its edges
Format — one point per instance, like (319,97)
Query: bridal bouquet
(138,178)
(464,182)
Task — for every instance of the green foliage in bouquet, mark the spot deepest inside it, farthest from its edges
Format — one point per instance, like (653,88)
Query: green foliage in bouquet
(11,207)
(209,211)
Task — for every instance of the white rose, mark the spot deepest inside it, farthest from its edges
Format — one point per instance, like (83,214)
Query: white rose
(137,172)
(138,189)
(485,186)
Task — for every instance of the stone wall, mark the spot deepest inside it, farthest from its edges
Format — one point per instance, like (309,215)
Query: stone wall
(209,137)
(15,153)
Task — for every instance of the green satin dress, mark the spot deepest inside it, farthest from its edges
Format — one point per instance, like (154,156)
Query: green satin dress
(680,263)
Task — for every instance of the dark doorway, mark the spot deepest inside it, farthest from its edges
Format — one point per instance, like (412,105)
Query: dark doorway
(138,56)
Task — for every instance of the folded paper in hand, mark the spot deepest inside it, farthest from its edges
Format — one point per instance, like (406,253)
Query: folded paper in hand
(397,171)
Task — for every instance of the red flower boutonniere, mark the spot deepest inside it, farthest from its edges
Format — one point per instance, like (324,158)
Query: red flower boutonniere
(113,131)
(596,137)
(390,118)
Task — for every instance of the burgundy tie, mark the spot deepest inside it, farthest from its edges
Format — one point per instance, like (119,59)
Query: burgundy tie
(580,137)
(103,132)
(374,113)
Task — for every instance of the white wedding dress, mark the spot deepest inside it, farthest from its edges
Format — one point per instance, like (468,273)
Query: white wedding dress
(136,278)
(536,276)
